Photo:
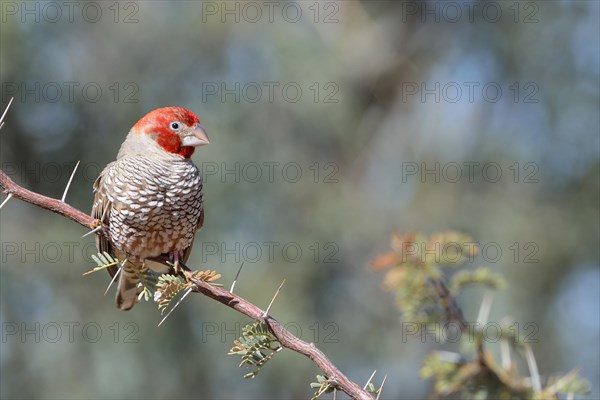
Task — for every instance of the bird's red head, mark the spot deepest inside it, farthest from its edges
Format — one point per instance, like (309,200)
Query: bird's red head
(175,129)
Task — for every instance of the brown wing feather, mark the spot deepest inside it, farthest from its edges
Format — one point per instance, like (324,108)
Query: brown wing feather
(127,290)
(101,211)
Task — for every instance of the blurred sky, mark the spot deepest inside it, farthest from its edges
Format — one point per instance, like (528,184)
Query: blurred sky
(332,125)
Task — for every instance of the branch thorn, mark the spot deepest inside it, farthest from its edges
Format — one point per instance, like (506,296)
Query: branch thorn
(236,277)
(69,183)
(92,231)
(533,369)
(273,299)
(6,200)
(369,381)
(187,291)
(506,361)
(381,387)
(5,111)
(484,309)
(114,277)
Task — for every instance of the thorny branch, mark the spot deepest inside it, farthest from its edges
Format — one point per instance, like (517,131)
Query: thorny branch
(453,312)
(229,299)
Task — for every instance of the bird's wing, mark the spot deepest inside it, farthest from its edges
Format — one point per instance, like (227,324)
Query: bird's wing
(101,211)
(127,286)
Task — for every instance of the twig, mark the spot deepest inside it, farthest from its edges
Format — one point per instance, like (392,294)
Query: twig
(453,312)
(229,299)
(283,336)
(554,388)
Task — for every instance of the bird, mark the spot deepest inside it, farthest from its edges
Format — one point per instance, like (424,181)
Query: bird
(149,201)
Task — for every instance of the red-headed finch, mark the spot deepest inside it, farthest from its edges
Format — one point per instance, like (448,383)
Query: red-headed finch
(150,198)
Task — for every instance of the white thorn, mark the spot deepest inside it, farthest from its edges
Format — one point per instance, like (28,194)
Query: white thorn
(6,200)
(381,387)
(187,291)
(104,213)
(505,355)
(1,125)
(533,369)
(369,381)
(235,279)
(92,231)
(64,196)
(113,279)
(273,300)
(334,393)
(6,110)
(484,309)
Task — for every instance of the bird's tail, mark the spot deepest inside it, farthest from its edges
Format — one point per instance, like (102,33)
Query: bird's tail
(127,288)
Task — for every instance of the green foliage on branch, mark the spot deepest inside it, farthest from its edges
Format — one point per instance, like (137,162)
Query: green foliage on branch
(416,272)
(323,385)
(257,346)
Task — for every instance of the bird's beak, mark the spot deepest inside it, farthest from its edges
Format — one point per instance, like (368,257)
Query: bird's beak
(196,137)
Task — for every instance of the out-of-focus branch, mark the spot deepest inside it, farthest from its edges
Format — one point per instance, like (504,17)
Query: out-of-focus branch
(453,311)
(229,299)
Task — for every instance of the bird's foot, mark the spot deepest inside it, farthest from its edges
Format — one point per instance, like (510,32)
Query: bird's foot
(178,266)
(175,258)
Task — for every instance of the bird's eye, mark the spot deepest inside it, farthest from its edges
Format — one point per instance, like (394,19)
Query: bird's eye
(175,125)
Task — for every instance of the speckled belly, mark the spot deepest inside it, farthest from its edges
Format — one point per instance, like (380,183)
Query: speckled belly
(156,224)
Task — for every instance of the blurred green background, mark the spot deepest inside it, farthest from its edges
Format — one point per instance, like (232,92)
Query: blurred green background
(366,100)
